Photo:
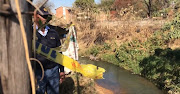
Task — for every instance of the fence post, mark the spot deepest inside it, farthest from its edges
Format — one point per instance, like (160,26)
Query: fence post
(13,67)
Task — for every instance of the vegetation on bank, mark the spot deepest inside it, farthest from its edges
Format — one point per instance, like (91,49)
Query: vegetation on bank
(153,58)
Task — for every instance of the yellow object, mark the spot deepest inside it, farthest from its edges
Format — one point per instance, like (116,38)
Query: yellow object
(88,70)
(93,71)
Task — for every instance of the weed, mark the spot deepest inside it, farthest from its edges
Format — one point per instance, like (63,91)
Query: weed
(94,50)
(110,58)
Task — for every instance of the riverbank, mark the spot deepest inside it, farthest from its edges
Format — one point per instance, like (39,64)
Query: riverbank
(83,85)
(121,81)
(150,51)
(102,90)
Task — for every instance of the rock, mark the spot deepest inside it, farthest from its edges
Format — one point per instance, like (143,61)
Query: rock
(91,57)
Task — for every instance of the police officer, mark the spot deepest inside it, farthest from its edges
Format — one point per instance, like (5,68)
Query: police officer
(49,37)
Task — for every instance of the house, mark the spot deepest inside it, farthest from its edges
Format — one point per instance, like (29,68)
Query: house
(63,12)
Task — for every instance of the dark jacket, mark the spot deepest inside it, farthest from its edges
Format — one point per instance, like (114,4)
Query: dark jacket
(60,31)
(51,40)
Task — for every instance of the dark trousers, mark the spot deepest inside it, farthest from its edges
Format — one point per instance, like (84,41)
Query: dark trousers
(50,82)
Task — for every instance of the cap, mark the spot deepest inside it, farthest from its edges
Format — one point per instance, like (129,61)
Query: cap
(44,11)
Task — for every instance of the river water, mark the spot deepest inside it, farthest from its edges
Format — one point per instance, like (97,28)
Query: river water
(121,81)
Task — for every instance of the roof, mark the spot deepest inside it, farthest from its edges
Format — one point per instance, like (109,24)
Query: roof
(64,7)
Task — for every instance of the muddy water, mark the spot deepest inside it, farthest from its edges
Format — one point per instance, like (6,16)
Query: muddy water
(121,81)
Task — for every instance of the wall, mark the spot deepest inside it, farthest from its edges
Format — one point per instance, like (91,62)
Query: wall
(62,12)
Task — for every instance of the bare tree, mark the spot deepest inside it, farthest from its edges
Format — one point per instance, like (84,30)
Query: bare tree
(84,4)
(106,5)
(148,4)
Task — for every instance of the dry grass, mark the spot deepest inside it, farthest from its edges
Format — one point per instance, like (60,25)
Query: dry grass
(61,22)
(125,27)
(118,32)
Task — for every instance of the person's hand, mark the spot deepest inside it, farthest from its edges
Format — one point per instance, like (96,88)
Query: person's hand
(62,77)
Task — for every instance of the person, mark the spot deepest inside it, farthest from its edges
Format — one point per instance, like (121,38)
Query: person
(49,37)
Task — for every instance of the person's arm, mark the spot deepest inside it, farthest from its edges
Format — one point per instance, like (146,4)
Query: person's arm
(60,31)
(62,74)
(35,17)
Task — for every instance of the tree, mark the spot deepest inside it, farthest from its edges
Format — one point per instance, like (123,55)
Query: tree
(148,4)
(118,4)
(84,4)
(152,6)
(106,4)
(149,7)
(13,67)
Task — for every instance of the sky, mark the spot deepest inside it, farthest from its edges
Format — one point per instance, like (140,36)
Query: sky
(66,3)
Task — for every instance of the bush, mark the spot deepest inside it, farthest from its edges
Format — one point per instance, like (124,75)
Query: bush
(110,58)
(163,67)
(130,54)
(173,28)
(106,46)
(94,50)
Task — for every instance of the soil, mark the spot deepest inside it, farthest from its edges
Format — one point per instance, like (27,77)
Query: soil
(102,90)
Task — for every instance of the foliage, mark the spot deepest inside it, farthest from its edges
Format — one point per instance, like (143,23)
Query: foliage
(111,58)
(154,6)
(173,28)
(161,13)
(106,5)
(163,67)
(129,55)
(94,50)
(84,4)
(118,4)
(151,58)
(106,46)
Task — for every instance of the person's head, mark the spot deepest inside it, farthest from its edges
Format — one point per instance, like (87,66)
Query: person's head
(43,18)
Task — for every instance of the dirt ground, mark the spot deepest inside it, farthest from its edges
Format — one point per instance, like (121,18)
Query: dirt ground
(86,86)
(102,90)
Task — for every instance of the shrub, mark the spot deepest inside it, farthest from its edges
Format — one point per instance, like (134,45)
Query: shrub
(130,54)
(163,67)
(173,28)
(106,46)
(110,58)
(94,50)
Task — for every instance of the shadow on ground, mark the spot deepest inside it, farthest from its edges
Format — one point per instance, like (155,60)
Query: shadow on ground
(67,86)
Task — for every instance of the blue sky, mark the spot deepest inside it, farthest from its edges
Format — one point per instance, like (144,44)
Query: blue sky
(67,3)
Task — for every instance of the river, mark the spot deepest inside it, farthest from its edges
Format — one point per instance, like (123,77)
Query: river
(121,81)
